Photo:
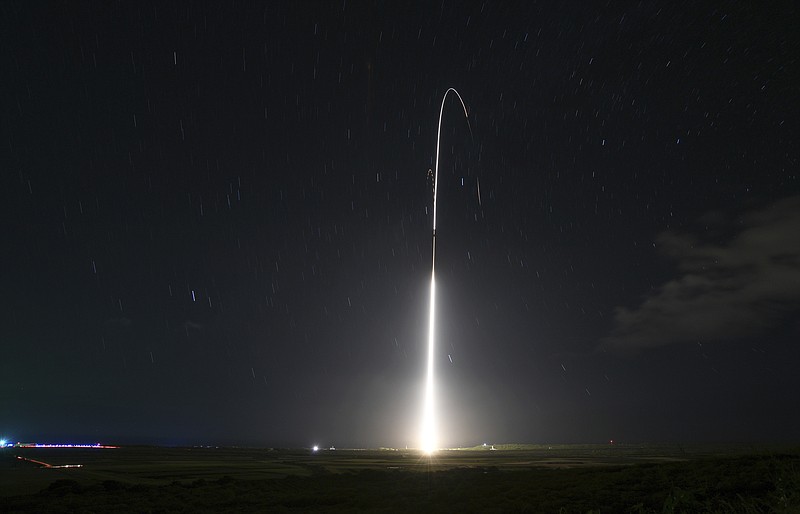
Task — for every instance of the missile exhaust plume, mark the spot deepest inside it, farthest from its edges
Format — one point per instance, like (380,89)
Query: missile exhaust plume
(429,436)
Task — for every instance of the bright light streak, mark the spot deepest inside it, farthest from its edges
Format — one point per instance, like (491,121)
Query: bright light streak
(429,439)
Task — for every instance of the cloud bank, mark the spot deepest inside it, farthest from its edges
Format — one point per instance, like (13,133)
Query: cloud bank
(743,284)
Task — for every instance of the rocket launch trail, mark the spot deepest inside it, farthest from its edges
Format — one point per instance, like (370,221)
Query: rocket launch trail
(429,436)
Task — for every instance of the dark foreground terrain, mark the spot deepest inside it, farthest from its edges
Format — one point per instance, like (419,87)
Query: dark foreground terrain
(562,478)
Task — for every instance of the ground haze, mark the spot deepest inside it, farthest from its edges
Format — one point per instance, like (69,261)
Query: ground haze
(576,478)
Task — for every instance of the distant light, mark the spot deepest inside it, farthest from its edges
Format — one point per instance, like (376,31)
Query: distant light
(315,448)
(65,445)
(2,442)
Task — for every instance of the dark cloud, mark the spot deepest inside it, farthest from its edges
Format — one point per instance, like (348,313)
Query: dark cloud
(741,287)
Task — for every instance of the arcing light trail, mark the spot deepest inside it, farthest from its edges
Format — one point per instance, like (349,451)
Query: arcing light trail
(429,437)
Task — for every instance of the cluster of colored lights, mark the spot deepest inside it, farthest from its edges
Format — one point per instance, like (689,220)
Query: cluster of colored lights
(6,444)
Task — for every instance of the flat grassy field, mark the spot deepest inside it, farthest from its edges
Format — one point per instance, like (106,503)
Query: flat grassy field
(512,478)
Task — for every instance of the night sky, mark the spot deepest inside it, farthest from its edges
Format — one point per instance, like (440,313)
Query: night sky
(217,221)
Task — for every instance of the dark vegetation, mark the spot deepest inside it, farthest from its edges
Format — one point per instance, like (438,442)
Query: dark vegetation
(362,482)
